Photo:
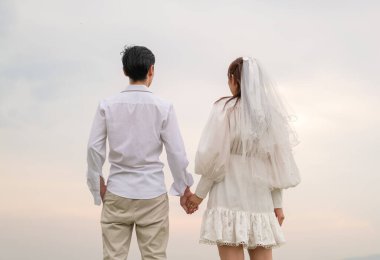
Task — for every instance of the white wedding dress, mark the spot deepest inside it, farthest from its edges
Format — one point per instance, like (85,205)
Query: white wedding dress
(240,209)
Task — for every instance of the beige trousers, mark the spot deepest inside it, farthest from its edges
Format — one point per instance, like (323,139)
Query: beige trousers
(120,215)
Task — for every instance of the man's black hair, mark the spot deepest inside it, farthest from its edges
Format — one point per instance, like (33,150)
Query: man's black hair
(136,62)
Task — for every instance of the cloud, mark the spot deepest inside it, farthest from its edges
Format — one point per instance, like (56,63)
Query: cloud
(58,59)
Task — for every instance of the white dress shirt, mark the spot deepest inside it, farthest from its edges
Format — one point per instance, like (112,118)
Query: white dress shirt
(137,124)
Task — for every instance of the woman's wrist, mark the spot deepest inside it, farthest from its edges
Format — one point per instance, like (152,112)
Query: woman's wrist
(203,187)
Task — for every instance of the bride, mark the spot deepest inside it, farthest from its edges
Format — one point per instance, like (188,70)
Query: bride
(245,160)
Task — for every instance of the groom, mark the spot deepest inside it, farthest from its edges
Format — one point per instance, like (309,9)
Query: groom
(137,124)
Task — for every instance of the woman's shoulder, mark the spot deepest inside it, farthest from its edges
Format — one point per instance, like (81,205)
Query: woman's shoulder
(225,103)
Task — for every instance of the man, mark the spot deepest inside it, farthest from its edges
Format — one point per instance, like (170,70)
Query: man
(137,124)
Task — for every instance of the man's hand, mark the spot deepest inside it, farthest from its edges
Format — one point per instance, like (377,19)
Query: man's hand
(193,203)
(279,214)
(184,198)
(103,188)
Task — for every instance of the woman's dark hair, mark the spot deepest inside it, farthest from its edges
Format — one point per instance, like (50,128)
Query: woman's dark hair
(136,62)
(234,71)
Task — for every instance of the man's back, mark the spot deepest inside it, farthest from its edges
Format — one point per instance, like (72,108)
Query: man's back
(134,119)
(137,125)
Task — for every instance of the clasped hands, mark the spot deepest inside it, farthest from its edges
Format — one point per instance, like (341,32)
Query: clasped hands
(190,202)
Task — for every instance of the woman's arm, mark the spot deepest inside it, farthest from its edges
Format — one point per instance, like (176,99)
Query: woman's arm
(277,198)
(211,159)
(277,204)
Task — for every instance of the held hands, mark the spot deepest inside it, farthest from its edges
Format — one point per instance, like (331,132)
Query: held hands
(184,201)
(193,202)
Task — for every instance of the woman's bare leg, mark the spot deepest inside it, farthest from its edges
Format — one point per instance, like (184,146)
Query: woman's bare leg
(231,252)
(260,253)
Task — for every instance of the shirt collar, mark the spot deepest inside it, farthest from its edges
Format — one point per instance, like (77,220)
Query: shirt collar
(137,88)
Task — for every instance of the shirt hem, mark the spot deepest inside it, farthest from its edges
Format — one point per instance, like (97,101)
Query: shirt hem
(134,196)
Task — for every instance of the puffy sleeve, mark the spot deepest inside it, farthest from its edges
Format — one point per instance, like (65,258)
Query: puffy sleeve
(284,172)
(212,156)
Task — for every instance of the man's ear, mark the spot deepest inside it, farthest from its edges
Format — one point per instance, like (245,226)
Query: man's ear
(151,70)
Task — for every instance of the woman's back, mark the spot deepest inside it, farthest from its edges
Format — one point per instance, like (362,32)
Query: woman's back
(245,159)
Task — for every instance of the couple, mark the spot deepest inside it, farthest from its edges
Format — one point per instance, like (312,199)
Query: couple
(244,158)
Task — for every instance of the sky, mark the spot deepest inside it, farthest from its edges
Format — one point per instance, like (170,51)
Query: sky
(59,58)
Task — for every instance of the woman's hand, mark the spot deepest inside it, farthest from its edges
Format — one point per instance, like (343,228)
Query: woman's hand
(193,202)
(280,215)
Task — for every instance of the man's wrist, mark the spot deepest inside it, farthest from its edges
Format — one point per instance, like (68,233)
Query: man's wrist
(187,192)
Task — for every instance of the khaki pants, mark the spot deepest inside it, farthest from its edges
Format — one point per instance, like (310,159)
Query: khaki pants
(120,215)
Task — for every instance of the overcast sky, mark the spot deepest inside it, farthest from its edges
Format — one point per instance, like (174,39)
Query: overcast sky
(59,58)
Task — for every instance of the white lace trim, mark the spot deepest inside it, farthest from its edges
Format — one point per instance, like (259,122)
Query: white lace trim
(221,226)
(244,245)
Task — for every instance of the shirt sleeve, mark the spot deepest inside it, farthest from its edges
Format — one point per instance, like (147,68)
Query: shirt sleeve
(176,154)
(277,198)
(96,152)
(212,157)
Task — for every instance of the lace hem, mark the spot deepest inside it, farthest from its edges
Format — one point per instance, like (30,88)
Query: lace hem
(222,226)
(243,244)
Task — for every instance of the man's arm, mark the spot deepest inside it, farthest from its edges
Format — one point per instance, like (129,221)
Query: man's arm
(176,155)
(96,154)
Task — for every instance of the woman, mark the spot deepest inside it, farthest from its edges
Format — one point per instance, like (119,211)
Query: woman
(245,159)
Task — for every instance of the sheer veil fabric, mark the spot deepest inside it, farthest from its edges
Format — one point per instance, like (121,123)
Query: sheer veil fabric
(265,127)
